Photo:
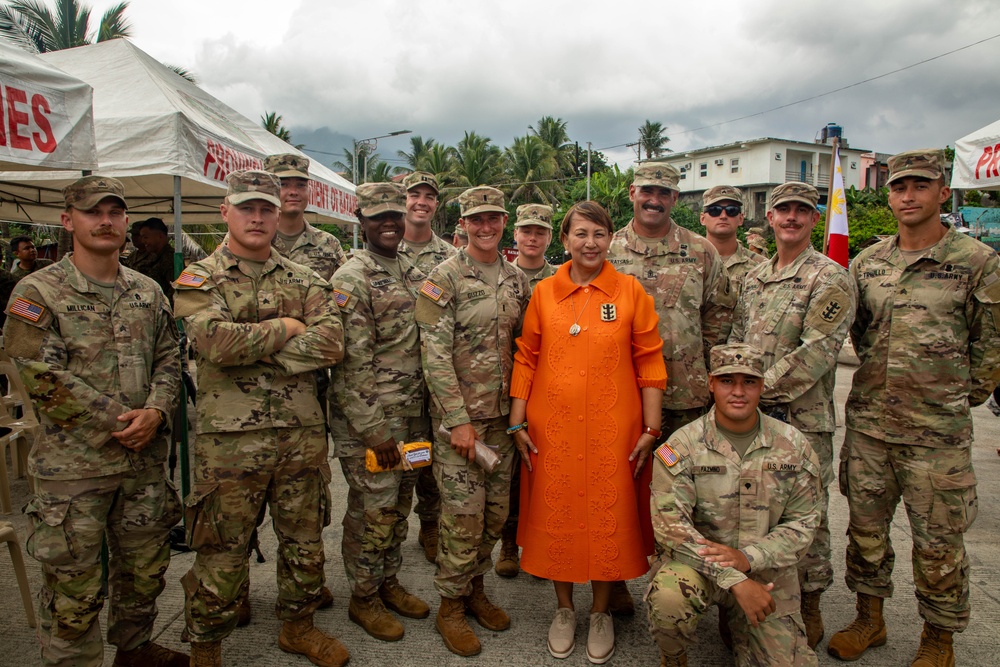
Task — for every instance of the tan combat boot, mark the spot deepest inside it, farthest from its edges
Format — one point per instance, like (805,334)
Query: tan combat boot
(488,614)
(244,613)
(428,539)
(455,630)
(621,602)
(812,618)
(325,598)
(508,565)
(206,654)
(370,613)
(935,648)
(866,630)
(401,600)
(302,638)
(679,660)
(150,655)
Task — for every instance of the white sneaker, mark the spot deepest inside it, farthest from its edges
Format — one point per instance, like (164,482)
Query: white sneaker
(601,638)
(562,633)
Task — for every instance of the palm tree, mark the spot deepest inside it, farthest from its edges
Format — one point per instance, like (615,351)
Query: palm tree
(553,132)
(346,166)
(271,121)
(381,171)
(418,152)
(652,139)
(532,168)
(477,160)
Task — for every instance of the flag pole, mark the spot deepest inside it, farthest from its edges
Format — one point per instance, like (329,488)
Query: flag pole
(829,195)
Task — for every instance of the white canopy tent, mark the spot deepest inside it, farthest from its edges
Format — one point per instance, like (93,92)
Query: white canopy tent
(46,115)
(169,142)
(977,160)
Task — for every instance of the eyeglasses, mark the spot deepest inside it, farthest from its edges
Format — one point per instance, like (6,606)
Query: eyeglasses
(715,210)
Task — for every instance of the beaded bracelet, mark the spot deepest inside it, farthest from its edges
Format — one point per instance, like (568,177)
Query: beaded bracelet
(516,427)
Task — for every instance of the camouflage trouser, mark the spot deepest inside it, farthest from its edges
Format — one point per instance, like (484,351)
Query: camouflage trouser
(69,521)
(234,474)
(671,420)
(678,596)
(375,523)
(938,488)
(816,568)
(428,508)
(473,508)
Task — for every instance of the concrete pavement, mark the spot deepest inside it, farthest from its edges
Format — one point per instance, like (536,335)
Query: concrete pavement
(531,602)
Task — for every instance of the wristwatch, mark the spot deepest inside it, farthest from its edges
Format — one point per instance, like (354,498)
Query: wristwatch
(653,432)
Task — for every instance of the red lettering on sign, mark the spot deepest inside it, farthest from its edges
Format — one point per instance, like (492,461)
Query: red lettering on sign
(16,118)
(988,160)
(992,168)
(45,140)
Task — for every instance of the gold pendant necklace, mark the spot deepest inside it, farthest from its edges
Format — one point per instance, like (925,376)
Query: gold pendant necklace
(575,329)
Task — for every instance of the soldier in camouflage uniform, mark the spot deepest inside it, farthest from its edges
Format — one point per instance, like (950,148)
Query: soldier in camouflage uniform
(160,265)
(532,234)
(797,308)
(260,325)
(96,345)
(23,249)
(745,487)
(757,243)
(926,335)
(687,279)
(379,389)
(722,215)
(424,250)
(469,311)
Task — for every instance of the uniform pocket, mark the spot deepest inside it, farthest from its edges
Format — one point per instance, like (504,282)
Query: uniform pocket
(201,517)
(955,503)
(50,540)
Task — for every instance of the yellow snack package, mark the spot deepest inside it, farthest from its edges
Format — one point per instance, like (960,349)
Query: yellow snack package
(413,454)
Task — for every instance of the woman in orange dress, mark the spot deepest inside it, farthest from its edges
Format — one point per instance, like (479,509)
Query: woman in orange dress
(585,411)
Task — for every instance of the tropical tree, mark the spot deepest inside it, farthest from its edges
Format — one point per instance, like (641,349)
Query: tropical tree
(417,156)
(608,188)
(346,166)
(532,168)
(477,160)
(381,171)
(271,121)
(554,133)
(652,140)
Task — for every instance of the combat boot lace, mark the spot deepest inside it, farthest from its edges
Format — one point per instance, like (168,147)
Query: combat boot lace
(866,630)
(302,638)
(935,648)
(428,539)
(812,618)
(370,613)
(150,655)
(488,614)
(455,630)
(679,660)
(206,654)
(508,565)
(401,600)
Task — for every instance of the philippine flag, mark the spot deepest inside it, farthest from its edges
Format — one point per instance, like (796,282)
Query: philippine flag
(836,216)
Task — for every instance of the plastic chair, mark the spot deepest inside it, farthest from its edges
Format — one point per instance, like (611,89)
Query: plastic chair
(16,431)
(9,535)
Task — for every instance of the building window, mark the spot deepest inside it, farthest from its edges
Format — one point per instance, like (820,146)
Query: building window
(703,169)
(734,165)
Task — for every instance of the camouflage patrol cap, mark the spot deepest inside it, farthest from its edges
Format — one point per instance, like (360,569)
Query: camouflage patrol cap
(794,191)
(483,199)
(461,233)
(721,193)
(420,178)
(253,184)
(922,163)
(737,358)
(756,230)
(756,241)
(87,192)
(376,198)
(659,174)
(287,165)
(539,215)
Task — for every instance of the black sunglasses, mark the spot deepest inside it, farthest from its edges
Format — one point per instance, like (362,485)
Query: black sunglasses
(715,210)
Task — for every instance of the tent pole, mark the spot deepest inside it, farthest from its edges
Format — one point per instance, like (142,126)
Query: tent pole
(181,421)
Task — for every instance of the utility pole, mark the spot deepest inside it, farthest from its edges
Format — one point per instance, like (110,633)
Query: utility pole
(588,170)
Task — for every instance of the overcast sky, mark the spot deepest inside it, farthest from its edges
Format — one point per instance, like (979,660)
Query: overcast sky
(441,67)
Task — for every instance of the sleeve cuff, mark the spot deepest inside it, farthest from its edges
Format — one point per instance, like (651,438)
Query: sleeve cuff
(729,577)
(755,556)
(520,383)
(455,418)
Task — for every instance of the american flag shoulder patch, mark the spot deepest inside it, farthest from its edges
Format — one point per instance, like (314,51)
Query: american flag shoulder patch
(431,290)
(666,454)
(26,309)
(341,298)
(190,279)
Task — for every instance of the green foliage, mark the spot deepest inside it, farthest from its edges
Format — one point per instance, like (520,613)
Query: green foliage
(865,221)
(972,197)
(652,140)
(65,28)
(532,167)
(686,217)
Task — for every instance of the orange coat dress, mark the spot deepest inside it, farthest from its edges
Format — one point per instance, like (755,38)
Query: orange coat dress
(582,514)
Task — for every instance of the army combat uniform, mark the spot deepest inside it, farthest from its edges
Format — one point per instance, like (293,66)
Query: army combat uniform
(320,251)
(467,328)
(687,279)
(379,388)
(765,503)
(799,317)
(926,335)
(261,435)
(19,273)
(85,361)
(739,264)
(429,256)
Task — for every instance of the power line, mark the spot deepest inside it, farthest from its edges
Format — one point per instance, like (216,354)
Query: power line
(829,92)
